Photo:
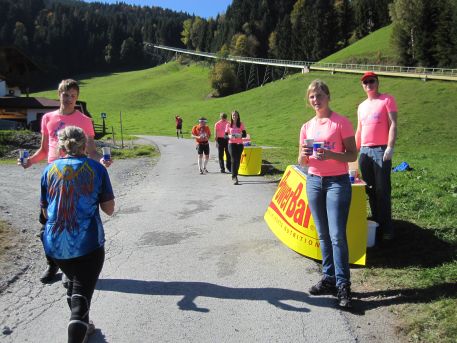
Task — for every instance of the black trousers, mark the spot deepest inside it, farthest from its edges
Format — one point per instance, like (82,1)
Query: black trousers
(83,273)
(235,152)
(222,146)
(43,221)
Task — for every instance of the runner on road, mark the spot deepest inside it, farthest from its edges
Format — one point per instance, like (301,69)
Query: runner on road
(202,134)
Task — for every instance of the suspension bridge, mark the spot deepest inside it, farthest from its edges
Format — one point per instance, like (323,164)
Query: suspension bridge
(307,66)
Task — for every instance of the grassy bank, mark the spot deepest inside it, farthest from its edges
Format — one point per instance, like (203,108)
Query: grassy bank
(420,270)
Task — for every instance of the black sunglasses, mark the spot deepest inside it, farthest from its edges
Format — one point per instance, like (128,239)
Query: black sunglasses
(369,81)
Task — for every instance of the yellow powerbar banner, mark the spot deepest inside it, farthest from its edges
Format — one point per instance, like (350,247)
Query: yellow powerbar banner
(289,217)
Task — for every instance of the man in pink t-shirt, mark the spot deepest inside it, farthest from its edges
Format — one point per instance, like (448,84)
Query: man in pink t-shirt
(222,143)
(51,123)
(375,138)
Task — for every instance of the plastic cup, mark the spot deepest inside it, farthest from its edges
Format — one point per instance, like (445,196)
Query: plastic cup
(308,142)
(23,156)
(352,175)
(316,146)
(106,153)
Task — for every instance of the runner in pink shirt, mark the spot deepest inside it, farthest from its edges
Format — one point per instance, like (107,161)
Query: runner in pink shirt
(375,137)
(235,131)
(329,190)
(51,123)
(222,143)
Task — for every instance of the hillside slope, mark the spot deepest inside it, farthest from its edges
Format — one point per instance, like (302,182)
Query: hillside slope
(149,99)
(375,48)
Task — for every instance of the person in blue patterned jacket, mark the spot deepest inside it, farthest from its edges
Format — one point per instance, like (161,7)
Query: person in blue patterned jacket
(73,189)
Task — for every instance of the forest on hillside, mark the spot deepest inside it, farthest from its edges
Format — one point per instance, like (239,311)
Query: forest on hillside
(67,37)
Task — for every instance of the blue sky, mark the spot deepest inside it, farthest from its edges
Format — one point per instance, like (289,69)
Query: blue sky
(202,8)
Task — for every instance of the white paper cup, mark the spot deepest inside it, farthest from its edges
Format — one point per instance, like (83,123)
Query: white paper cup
(316,146)
(106,153)
(308,142)
(23,156)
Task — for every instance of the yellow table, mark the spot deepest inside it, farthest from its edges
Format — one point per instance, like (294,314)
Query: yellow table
(289,217)
(251,161)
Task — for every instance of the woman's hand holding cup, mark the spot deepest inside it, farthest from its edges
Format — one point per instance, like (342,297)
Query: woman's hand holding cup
(320,154)
(308,146)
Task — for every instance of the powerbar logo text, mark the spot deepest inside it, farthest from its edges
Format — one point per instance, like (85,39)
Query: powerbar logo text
(289,202)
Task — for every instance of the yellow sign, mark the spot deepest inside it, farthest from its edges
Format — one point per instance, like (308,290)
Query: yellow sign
(289,217)
(251,161)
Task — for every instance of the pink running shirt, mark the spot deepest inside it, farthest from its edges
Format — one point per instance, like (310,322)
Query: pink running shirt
(219,128)
(235,130)
(332,133)
(52,122)
(373,119)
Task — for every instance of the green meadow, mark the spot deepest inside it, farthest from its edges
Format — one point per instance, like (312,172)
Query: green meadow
(376,45)
(417,275)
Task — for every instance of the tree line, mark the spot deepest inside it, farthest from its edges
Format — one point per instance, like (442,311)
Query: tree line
(69,37)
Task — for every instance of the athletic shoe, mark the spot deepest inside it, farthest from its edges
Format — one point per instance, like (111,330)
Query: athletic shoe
(65,280)
(90,331)
(90,328)
(344,296)
(235,180)
(324,286)
(205,170)
(201,172)
(49,274)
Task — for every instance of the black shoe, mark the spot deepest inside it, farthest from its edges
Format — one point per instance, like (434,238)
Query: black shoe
(49,274)
(65,281)
(223,171)
(344,296)
(235,180)
(324,286)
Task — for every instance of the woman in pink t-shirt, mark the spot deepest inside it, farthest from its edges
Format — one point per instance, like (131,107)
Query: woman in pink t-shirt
(328,189)
(235,130)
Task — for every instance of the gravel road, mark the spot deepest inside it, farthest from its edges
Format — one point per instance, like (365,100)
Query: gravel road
(189,258)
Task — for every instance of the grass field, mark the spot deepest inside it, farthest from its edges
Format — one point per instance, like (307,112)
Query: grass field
(421,267)
(373,49)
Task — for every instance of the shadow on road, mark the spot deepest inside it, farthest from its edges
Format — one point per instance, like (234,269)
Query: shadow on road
(191,290)
(97,337)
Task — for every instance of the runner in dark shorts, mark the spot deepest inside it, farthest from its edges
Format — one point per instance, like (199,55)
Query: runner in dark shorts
(203,148)
(202,134)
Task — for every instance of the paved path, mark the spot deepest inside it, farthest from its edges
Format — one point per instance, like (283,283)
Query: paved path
(189,259)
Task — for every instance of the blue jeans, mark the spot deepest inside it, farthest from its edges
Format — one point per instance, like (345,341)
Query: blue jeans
(376,174)
(329,199)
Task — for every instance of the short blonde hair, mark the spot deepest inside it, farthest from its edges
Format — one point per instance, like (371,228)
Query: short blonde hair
(318,85)
(72,140)
(67,84)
